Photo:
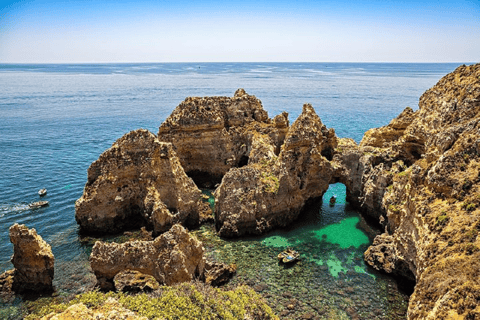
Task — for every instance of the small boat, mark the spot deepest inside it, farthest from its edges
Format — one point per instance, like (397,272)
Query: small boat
(288,256)
(333,199)
(38,204)
(42,192)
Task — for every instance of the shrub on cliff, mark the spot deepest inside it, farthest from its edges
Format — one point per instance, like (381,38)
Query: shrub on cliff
(193,300)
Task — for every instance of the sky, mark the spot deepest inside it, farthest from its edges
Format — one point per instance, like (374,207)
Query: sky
(47,31)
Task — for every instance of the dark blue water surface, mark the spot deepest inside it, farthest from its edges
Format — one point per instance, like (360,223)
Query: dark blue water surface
(55,120)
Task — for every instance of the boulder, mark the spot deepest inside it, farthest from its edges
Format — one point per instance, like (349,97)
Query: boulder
(271,190)
(171,258)
(33,261)
(139,181)
(134,282)
(217,274)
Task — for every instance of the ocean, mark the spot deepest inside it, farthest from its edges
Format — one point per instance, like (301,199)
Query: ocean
(56,119)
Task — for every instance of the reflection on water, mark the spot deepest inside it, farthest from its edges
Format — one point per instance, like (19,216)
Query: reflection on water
(330,280)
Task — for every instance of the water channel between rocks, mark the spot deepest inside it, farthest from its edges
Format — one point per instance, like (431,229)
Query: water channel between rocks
(331,280)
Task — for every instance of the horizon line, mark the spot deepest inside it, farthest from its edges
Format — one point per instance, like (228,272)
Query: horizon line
(206,62)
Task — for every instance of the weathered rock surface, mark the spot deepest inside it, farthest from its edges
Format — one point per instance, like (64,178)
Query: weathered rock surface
(6,286)
(432,214)
(217,274)
(134,282)
(171,258)
(109,310)
(418,177)
(271,191)
(138,181)
(33,261)
(211,135)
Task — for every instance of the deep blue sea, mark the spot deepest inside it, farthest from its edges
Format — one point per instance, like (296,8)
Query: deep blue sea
(56,119)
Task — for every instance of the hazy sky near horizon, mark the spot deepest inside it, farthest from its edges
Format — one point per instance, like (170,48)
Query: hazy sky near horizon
(48,31)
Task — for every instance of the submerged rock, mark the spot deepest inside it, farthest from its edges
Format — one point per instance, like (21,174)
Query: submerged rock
(138,181)
(171,258)
(33,261)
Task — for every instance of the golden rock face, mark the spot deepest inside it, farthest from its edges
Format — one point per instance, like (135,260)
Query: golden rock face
(171,258)
(33,260)
(418,177)
(138,181)
(431,207)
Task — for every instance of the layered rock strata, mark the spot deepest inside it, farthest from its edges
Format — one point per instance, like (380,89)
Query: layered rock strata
(271,190)
(33,261)
(171,258)
(138,181)
(211,135)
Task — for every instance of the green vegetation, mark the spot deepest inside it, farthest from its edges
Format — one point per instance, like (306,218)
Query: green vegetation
(469,206)
(442,219)
(470,248)
(472,234)
(185,301)
(393,208)
(270,182)
(403,173)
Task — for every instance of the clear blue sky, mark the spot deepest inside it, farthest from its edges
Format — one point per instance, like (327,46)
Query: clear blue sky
(230,30)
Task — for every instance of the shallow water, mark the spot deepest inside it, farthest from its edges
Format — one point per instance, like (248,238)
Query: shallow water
(330,279)
(55,120)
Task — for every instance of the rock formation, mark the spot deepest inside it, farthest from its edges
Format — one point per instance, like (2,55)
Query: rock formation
(217,274)
(418,177)
(432,213)
(134,282)
(271,190)
(33,261)
(211,135)
(171,258)
(138,181)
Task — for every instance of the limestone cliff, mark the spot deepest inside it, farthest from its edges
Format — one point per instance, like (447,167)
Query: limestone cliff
(171,258)
(418,177)
(211,135)
(138,181)
(33,261)
(271,190)
(433,219)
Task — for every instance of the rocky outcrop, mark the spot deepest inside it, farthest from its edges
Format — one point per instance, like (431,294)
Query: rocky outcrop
(171,258)
(138,181)
(271,190)
(211,135)
(33,261)
(432,214)
(217,274)
(134,282)
(418,177)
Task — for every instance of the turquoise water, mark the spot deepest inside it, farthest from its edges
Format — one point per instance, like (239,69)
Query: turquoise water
(55,120)
(330,279)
